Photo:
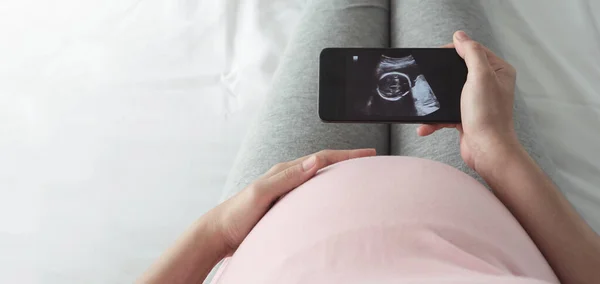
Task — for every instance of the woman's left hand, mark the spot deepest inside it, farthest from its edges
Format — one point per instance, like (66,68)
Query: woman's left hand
(236,217)
(220,232)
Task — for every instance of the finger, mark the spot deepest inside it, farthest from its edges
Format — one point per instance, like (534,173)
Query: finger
(336,156)
(428,129)
(329,157)
(491,56)
(286,180)
(496,62)
(474,54)
(296,174)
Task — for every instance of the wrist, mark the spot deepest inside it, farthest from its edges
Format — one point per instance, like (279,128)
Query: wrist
(208,229)
(496,154)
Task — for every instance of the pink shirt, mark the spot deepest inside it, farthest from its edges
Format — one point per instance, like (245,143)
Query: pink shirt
(388,220)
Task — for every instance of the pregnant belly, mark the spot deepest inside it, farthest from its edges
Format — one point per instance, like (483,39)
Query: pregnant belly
(386,218)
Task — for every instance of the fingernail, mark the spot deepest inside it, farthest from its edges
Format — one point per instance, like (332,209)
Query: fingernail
(309,163)
(461,36)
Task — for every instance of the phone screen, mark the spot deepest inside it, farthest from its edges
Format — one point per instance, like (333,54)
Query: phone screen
(391,85)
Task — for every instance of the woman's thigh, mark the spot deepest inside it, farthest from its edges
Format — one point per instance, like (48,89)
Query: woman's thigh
(288,125)
(431,23)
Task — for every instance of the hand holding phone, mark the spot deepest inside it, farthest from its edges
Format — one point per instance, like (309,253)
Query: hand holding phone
(406,85)
(487,127)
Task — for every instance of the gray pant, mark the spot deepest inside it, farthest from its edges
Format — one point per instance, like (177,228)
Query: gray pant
(288,126)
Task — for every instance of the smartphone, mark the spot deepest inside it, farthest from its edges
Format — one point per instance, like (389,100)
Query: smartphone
(391,85)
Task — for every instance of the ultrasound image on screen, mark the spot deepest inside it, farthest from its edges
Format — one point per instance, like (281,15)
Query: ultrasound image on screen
(393,83)
(393,86)
(400,79)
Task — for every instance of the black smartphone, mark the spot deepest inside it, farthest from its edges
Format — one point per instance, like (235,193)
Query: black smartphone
(391,85)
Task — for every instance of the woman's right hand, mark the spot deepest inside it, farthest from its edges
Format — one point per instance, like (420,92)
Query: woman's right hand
(486,105)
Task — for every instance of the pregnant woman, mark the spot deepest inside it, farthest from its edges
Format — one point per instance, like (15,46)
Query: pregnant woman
(421,213)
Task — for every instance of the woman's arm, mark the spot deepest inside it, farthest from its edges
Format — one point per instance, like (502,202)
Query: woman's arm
(220,231)
(489,145)
(192,257)
(569,245)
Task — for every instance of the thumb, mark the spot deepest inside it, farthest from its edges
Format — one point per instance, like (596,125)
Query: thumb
(472,52)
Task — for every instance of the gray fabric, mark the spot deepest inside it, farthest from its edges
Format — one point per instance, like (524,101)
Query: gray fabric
(288,125)
(431,23)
